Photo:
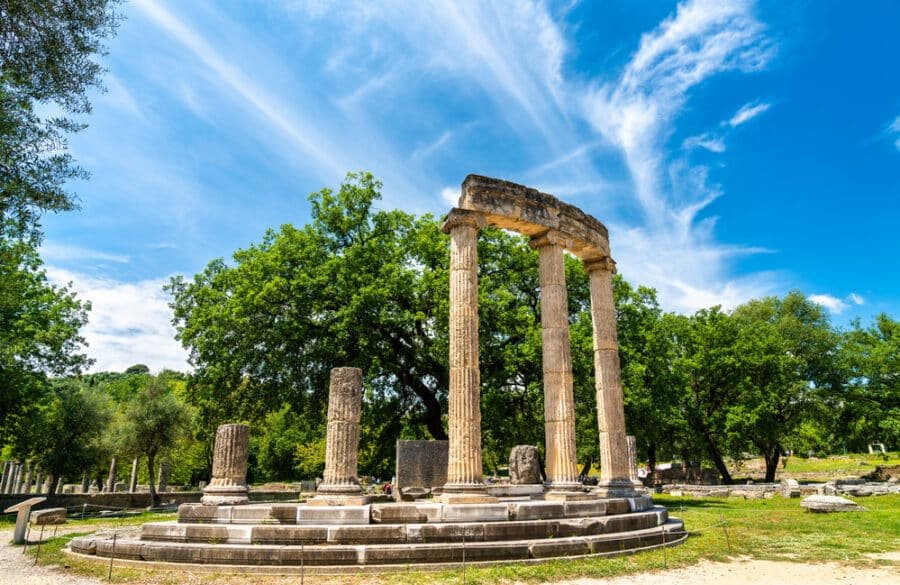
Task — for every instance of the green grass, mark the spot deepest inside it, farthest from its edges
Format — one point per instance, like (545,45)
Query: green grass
(774,529)
(838,466)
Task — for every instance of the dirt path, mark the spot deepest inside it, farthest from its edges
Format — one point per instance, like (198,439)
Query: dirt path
(16,569)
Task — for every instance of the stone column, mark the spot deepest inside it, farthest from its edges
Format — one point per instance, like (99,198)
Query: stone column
(229,473)
(632,459)
(111,478)
(165,470)
(29,472)
(38,481)
(85,481)
(20,478)
(5,479)
(132,483)
(614,467)
(340,484)
(559,403)
(60,484)
(464,471)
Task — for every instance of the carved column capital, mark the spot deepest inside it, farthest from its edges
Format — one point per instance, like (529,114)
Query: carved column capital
(606,264)
(551,238)
(463,217)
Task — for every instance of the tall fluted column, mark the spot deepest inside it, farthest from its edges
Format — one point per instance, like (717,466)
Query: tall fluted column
(20,477)
(559,403)
(464,472)
(614,468)
(132,482)
(229,473)
(111,478)
(340,484)
(29,472)
(6,467)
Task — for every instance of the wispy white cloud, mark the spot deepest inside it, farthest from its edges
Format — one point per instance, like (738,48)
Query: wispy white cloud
(747,113)
(450,196)
(56,252)
(129,322)
(708,141)
(893,131)
(675,250)
(836,305)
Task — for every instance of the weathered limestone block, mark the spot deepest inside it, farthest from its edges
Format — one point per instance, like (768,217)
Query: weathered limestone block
(342,442)
(830,504)
(524,465)
(229,473)
(790,488)
(421,467)
(49,516)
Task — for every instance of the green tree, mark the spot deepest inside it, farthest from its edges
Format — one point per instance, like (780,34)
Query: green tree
(39,331)
(869,410)
(64,434)
(151,423)
(47,57)
(789,361)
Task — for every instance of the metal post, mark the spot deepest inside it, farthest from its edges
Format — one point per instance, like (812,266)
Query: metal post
(112,555)
(301,562)
(665,553)
(38,551)
(725,530)
(464,555)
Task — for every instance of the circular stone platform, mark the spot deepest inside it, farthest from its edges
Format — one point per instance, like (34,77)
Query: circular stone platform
(282,537)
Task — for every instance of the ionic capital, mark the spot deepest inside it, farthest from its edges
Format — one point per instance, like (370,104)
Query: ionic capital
(551,238)
(606,264)
(463,217)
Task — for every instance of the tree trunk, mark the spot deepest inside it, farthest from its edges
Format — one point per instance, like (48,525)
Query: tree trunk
(772,463)
(587,468)
(432,405)
(154,497)
(54,479)
(717,459)
(651,457)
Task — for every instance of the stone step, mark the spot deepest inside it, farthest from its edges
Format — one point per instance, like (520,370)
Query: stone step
(325,555)
(409,513)
(486,531)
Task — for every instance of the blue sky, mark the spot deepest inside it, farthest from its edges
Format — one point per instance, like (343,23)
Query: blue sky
(734,148)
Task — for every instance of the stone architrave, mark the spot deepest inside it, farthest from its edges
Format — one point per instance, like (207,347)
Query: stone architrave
(340,484)
(132,483)
(615,476)
(111,478)
(229,474)
(464,467)
(29,473)
(524,465)
(559,402)
(162,479)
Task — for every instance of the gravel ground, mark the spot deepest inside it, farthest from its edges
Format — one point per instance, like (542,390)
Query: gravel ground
(16,569)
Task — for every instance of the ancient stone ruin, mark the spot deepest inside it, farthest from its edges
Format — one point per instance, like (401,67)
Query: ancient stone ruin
(469,520)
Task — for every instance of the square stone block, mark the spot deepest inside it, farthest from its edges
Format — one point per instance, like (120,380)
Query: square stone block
(164,531)
(559,548)
(451,532)
(320,555)
(132,550)
(406,513)
(385,555)
(289,534)
(241,555)
(536,510)
(283,513)
(373,533)
(581,527)
(251,514)
(213,534)
(640,503)
(198,513)
(592,507)
(333,514)
(520,530)
(475,513)
(617,506)
(487,551)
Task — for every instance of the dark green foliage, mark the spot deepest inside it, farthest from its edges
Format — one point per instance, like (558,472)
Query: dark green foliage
(47,57)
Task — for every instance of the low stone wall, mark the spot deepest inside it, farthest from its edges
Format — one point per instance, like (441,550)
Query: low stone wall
(135,500)
(842,487)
